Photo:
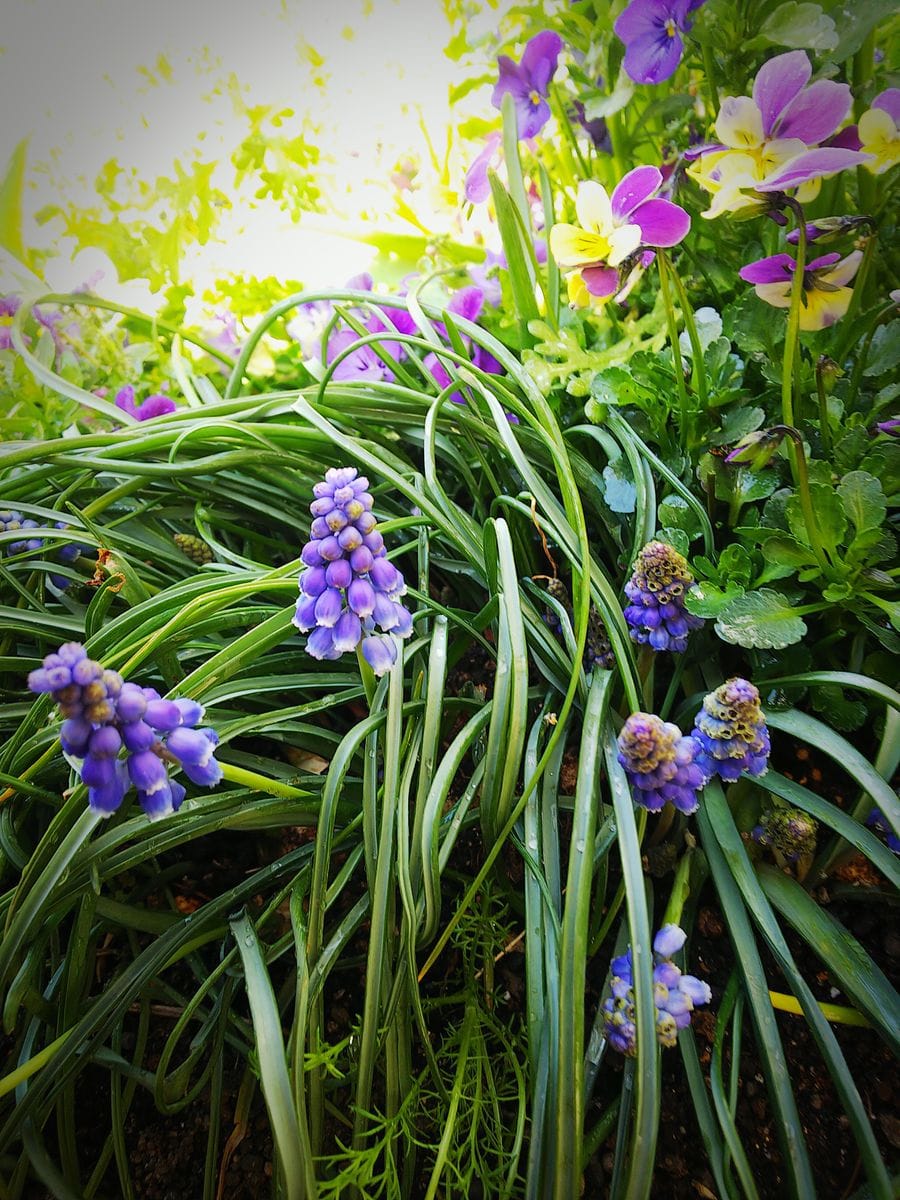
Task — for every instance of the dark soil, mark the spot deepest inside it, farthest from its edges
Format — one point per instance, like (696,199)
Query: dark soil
(167,1153)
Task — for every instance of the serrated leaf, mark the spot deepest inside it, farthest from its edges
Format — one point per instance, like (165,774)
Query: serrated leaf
(800,27)
(674,512)
(674,537)
(864,503)
(884,353)
(735,565)
(620,493)
(828,512)
(707,600)
(762,619)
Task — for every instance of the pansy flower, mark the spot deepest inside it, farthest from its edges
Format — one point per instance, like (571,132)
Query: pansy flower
(611,228)
(771,141)
(529,81)
(156,405)
(477,187)
(826,295)
(651,31)
(879,132)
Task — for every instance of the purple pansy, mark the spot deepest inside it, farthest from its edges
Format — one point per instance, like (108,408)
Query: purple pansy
(529,81)
(156,405)
(651,31)
(612,228)
(825,296)
(477,187)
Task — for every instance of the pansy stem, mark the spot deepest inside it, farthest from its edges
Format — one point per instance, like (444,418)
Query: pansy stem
(801,479)
(824,426)
(709,70)
(698,372)
(792,336)
(671,322)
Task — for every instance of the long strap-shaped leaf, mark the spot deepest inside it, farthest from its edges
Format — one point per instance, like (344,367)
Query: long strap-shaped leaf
(719,820)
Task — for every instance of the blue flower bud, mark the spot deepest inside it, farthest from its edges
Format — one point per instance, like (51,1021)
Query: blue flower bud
(147,772)
(192,711)
(138,735)
(163,715)
(74,735)
(380,653)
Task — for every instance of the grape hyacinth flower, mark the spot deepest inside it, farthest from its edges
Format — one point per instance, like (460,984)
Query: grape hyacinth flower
(598,651)
(529,81)
(656,614)
(826,296)
(675,995)
(877,820)
(651,31)
(772,142)
(789,831)
(104,716)
(659,761)
(11,521)
(348,590)
(156,405)
(610,230)
(731,733)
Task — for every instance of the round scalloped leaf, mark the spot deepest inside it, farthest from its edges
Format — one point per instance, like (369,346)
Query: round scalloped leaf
(763,620)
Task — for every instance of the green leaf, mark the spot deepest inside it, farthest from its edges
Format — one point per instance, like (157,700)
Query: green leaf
(763,619)
(675,513)
(708,600)
(841,953)
(674,537)
(783,556)
(863,500)
(884,353)
(620,493)
(735,565)
(11,190)
(799,26)
(829,513)
(855,21)
(831,701)
(605,106)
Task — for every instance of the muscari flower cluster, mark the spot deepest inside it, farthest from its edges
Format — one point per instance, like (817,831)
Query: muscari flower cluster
(598,651)
(675,994)
(660,763)
(12,521)
(663,765)
(790,831)
(104,717)
(730,731)
(656,615)
(348,590)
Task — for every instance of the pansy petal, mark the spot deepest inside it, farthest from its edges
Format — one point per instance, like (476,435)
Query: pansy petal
(639,18)
(476,187)
(777,83)
(622,242)
(593,207)
(576,247)
(816,112)
(600,281)
(847,138)
(155,406)
(775,269)
(814,164)
(653,57)
(824,260)
(822,308)
(662,223)
(530,117)
(636,187)
(889,101)
(739,124)
(776,294)
(845,270)
(539,60)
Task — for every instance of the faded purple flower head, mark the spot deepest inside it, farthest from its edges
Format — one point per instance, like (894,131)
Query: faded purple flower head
(656,614)
(651,31)
(675,995)
(827,229)
(659,762)
(105,716)
(790,831)
(12,521)
(157,405)
(348,590)
(528,82)
(730,731)
(891,426)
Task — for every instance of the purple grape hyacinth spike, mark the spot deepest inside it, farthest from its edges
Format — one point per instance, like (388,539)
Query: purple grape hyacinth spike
(350,594)
(105,716)
(659,761)
(675,995)
(731,733)
(656,614)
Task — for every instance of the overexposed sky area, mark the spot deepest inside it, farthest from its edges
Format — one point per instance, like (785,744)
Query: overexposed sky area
(83,81)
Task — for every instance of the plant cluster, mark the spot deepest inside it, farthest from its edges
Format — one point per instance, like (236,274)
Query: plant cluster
(635,464)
